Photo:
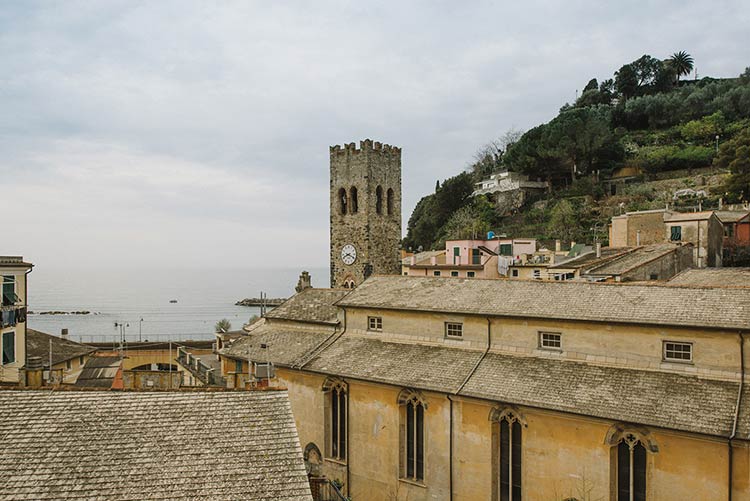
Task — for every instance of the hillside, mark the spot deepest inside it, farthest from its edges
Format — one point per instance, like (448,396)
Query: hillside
(646,127)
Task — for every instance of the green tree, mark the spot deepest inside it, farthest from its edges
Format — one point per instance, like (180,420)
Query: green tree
(223,325)
(577,135)
(735,155)
(682,63)
(626,81)
(563,220)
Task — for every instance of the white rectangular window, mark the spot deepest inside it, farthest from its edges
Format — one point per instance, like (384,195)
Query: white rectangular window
(678,352)
(374,323)
(550,340)
(454,329)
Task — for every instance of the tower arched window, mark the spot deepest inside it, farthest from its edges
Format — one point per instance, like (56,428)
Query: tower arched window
(354,203)
(507,436)
(342,201)
(389,201)
(412,407)
(379,199)
(335,418)
(630,449)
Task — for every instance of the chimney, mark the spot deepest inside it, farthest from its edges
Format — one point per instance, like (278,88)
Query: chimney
(598,249)
(558,247)
(64,334)
(304,282)
(34,368)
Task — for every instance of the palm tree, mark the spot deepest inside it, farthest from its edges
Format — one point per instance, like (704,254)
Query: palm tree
(682,62)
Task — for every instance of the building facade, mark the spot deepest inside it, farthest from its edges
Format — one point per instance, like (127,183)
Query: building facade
(421,388)
(701,229)
(13,310)
(365,205)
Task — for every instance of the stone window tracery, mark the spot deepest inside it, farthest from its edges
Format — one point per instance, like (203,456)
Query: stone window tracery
(412,408)
(507,427)
(336,418)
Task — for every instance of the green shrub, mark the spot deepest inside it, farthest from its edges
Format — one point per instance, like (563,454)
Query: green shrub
(704,129)
(664,158)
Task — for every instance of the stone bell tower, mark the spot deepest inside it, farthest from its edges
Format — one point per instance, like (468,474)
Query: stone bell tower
(365,212)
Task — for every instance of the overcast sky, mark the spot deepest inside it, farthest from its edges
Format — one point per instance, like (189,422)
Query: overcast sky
(193,134)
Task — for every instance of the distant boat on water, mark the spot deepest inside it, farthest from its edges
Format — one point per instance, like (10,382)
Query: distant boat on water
(172,301)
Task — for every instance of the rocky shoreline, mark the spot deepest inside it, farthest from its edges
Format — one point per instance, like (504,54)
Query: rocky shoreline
(82,312)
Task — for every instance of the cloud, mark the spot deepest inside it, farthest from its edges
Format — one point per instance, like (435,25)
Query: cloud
(147,133)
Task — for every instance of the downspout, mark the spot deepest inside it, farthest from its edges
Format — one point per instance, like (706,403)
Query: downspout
(348,425)
(471,373)
(736,415)
(450,449)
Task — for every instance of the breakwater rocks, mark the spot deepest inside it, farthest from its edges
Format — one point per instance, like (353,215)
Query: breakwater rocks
(82,312)
(256,301)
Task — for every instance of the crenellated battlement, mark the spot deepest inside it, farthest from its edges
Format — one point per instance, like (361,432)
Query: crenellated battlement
(365,145)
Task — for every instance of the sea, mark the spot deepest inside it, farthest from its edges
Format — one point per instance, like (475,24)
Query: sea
(143,300)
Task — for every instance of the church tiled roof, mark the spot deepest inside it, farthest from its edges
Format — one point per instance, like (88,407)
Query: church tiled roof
(60,445)
(310,305)
(618,303)
(285,345)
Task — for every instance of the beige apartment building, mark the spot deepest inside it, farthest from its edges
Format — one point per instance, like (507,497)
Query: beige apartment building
(13,272)
(703,230)
(421,388)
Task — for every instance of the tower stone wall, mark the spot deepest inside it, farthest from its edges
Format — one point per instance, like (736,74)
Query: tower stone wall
(365,205)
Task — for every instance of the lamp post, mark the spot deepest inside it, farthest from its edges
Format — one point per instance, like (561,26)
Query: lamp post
(717,144)
(140,330)
(122,336)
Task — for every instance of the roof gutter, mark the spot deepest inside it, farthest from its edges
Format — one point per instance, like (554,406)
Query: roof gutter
(730,449)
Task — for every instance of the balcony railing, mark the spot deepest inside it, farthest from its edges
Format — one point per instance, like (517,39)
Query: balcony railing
(324,489)
(206,374)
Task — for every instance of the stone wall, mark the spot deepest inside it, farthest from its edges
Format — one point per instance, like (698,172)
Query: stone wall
(374,234)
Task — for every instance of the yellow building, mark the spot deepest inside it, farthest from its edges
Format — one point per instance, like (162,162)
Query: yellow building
(13,273)
(421,388)
(67,357)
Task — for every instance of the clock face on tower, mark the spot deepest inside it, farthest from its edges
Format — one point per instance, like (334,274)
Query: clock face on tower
(348,254)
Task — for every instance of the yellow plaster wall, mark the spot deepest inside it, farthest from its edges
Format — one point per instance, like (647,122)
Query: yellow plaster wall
(563,455)
(715,353)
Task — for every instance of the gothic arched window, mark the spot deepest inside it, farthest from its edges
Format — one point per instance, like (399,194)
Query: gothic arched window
(342,200)
(335,418)
(412,408)
(379,199)
(507,426)
(353,198)
(629,453)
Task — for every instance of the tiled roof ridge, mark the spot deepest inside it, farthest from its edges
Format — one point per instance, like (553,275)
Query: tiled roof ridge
(553,283)
(184,389)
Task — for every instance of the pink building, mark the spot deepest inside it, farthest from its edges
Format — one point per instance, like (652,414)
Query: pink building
(468,258)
